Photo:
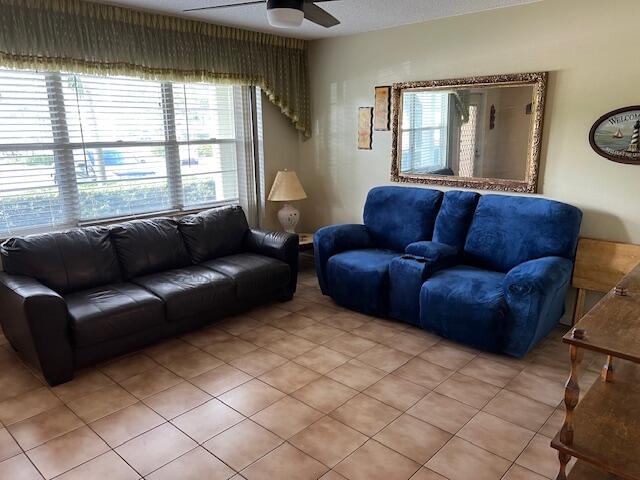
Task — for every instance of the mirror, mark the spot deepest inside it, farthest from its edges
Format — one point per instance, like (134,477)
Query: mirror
(480,132)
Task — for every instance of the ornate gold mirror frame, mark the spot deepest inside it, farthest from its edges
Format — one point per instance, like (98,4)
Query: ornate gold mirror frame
(537,80)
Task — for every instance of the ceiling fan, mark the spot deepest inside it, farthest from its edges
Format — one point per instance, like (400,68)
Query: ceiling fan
(287,13)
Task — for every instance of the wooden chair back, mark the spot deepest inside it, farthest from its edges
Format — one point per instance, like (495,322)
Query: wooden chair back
(599,266)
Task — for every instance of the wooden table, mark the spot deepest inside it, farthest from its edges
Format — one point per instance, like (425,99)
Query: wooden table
(603,430)
(305,241)
(599,266)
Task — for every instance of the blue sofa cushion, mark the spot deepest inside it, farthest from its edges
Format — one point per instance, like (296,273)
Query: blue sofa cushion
(398,216)
(509,230)
(334,239)
(359,279)
(465,304)
(454,218)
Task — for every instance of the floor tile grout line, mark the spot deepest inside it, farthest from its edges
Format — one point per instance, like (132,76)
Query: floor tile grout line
(22,451)
(489,451)
(455,435)
(262,456)
(34,465)
(528,444)
(187,380)
(400,331)
(200,444)
(136,436)
(385,446)
(114,449)
(56,436)
(369,437)
(335,420)
(433,390)
(165,422)
(280,445)
(91,459)
(110,448)
(75,466)
(403,413)
(184,454)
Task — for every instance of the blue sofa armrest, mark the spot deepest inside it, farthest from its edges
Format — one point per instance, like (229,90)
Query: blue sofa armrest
(334,239)
(535,293)
(438,255)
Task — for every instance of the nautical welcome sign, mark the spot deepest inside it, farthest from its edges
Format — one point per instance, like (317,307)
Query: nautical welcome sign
(616,135)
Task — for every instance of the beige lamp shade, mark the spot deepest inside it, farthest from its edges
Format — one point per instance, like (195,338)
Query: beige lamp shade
(286,187)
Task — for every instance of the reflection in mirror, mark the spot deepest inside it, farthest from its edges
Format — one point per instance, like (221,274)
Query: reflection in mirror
(480,132)
(484,135)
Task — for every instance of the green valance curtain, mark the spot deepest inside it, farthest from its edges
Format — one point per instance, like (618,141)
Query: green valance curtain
(84,37)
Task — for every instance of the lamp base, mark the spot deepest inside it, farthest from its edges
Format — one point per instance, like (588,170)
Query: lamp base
(288,216)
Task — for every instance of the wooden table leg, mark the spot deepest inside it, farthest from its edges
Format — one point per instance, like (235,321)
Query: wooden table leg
(571,397)
(607,370)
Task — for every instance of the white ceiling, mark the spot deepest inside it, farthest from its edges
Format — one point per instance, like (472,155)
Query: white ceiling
(356,16)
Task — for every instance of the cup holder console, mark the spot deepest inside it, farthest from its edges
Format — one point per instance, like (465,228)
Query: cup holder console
(415,258)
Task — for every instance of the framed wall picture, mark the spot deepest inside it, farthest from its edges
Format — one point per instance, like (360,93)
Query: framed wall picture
(382,114)
(365,124)
(616,135)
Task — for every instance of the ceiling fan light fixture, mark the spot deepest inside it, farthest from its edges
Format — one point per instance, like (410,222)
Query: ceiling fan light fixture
(285,13)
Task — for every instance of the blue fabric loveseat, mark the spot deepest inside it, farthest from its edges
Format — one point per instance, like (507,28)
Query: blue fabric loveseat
(489,271)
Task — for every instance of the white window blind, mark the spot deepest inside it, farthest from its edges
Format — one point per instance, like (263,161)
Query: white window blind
(424,131)
(78,149)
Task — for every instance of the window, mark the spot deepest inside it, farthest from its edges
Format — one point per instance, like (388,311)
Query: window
(424,131)
(78,149)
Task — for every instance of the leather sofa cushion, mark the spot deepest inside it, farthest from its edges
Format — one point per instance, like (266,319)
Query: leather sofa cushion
(454,217)
(214,233)
(398,216)
(254,275)
(112,311)
(465,304)
(149,246)
(66,261)
(508,230)
(189,291)
(359,279)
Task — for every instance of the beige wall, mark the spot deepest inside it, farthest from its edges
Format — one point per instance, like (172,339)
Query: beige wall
(281,150)
(590,48)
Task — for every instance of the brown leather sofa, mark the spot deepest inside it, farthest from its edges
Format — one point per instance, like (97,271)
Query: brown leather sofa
(75,298)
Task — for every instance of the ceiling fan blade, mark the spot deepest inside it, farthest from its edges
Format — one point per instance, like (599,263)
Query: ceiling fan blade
(319,16)
(255,2)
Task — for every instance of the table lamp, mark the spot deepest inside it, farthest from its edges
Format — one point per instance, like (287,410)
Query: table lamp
(287,188)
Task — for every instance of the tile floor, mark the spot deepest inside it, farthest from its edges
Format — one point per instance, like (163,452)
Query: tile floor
(300,390)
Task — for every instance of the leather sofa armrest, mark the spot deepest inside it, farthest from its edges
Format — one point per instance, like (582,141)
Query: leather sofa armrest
(334,239)
(279,245)
(35,320)
(532,290)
